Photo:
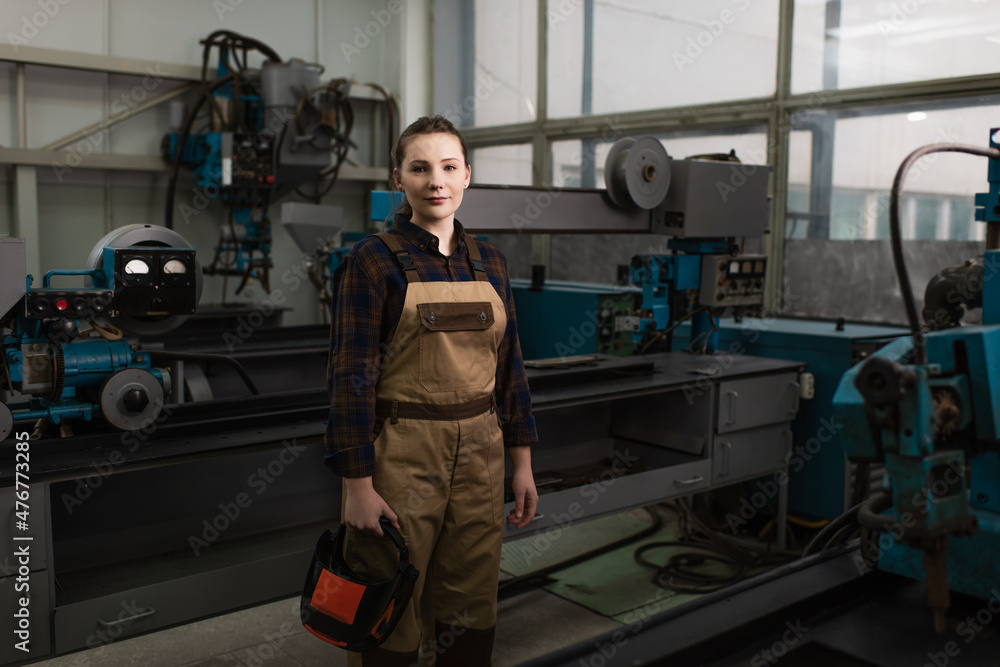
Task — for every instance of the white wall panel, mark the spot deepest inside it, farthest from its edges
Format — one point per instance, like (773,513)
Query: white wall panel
(355,40)
(61,101)
(141,134)
(170,31)
(71,220)
(69,25)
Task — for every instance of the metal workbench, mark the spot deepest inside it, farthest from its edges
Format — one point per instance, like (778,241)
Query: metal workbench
(219,506)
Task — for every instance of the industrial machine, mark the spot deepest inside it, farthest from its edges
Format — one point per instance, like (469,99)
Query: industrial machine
(70,353)
(928,407)
(692,200)
(271,132)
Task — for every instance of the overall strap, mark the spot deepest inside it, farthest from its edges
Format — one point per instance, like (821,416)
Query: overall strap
(403,257)
(474,258)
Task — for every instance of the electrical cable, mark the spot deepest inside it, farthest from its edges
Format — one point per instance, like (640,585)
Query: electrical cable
(683,572)
(845,533)
(166,355)
(392,106)
(510,587)
(896,240)
(870,512)
(713,314)
(661,334)
(334,102)
(179,150)
(570,654)
(794,521)
(230,44)
(109,333)
(862,482)
(847,518)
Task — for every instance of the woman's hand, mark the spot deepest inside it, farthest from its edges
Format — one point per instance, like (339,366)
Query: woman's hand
(364,507)
(523,484)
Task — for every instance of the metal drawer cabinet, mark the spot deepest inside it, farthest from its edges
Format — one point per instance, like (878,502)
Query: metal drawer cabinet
(673,474)
(750,453)
(757,401)
(97,621)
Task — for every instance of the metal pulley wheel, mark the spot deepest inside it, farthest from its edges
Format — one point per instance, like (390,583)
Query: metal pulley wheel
(131,236)
(6,422)
(637,173)
(131,399)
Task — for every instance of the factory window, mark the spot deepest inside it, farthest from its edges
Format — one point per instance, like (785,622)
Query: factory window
(926,218)
(841,167)
(963,224)
(606,56)
(502,165)
(847,215)
(844,163)
(499,84)
(841,44)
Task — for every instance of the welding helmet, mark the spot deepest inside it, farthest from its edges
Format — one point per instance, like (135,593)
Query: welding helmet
(345,609)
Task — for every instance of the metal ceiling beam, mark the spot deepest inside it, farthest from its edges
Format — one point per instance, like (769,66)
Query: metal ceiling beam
(76,160)
(965,86)
(697,117)
(93,62)
(69,160)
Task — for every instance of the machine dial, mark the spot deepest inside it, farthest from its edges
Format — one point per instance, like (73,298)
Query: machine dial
(136,267)
(174,267)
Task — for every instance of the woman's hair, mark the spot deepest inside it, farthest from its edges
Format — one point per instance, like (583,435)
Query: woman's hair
(423,125)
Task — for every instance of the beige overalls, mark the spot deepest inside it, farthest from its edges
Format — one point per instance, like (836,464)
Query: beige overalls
(439,464)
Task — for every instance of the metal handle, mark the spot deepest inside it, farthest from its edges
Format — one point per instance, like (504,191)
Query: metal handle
(142,613)
(732,406)
(693,480)
(798,397)
(727,448)
(537,517)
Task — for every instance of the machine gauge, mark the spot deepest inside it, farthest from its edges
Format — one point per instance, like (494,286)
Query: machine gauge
(174,267)
(136,267)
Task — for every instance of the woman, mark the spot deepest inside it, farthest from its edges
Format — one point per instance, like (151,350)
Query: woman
(427,392)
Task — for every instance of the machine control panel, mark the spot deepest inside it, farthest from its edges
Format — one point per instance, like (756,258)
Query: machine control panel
(732,280)
(75,304)
(153,281)
(248,160)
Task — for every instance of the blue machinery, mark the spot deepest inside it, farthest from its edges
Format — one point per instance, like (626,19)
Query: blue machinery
(929,407)
(271,132)
(67,356)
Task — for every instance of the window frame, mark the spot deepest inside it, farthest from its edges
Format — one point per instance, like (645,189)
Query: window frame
(775,113)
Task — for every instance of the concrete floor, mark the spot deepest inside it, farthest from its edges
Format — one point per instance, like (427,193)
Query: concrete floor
(271,635)
(529,625)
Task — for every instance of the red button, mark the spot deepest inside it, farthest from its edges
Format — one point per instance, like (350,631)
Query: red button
(61,304)
(270,179)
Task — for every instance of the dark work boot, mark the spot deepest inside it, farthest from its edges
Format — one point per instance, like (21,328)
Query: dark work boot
(464,647)
(381,658)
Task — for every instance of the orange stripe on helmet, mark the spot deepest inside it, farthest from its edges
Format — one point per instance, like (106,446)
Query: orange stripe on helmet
(337,597)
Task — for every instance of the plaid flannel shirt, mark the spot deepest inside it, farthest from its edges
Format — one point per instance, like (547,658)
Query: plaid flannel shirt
(368,293)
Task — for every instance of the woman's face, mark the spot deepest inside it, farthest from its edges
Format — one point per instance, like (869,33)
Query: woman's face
(433,176)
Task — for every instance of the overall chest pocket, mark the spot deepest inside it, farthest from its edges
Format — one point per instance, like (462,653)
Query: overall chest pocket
(457,345)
